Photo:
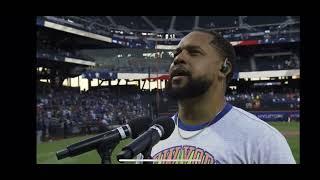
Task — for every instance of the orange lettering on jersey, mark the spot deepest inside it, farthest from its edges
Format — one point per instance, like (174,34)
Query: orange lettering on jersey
(198,155)
(173,154)
(157,156)
(208,159)
(188,151)
(165,155)
(185,153)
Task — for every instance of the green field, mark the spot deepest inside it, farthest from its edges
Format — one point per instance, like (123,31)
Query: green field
(46,151)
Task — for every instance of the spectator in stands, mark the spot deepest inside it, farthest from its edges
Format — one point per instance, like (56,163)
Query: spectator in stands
(256,104)
(249,105)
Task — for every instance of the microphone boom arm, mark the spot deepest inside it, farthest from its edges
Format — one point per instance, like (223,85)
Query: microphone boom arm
(105,151)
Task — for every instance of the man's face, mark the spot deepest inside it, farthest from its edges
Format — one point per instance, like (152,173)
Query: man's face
(194,68)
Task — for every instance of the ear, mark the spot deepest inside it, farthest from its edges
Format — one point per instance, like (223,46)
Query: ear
(225,69)
(229,68)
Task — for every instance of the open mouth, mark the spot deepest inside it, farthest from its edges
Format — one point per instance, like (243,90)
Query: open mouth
(175,78)
(179,73)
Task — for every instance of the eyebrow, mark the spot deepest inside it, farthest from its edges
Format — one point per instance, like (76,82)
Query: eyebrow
(190,47)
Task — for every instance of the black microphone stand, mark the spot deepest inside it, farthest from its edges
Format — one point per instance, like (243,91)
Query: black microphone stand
(105,151)
(147,152)
(147,155)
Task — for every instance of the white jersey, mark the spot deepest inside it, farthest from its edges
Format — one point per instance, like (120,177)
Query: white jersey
(233,137)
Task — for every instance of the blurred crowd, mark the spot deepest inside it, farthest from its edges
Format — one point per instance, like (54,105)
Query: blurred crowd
(257,101)
(278,63)
(64,112)
(76,112)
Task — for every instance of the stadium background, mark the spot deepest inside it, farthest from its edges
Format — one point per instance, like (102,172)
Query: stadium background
(95,73)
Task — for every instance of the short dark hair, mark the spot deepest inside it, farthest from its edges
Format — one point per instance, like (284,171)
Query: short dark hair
(224,47)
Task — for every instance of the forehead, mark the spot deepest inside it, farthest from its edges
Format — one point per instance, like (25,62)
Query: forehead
(196,38)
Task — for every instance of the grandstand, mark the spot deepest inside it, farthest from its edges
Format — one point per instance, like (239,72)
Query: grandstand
(97,72)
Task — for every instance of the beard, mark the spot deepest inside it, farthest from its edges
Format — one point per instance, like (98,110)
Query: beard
(193,88)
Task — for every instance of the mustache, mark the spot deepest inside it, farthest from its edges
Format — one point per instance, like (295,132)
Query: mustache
(179,71)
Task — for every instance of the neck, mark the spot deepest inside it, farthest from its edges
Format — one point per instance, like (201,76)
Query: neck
(203,108)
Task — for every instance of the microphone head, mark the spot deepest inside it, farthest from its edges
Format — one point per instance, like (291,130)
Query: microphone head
(139,125)
(62,154)
(167,124)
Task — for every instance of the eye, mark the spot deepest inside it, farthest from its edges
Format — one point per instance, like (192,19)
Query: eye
(194,52)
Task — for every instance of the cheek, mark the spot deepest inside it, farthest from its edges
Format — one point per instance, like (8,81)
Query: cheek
(213,70)
(207,70)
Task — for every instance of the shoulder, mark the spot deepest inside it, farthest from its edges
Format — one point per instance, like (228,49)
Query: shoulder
(250,123)
(267,144)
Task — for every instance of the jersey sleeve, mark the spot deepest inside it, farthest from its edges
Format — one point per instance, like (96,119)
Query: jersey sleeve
(273,149)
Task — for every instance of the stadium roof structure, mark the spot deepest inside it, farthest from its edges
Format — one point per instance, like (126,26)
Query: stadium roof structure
(162,32)
(67,40)
(151,31)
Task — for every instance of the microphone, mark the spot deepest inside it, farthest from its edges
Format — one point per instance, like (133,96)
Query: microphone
(162,128)
(133,129)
